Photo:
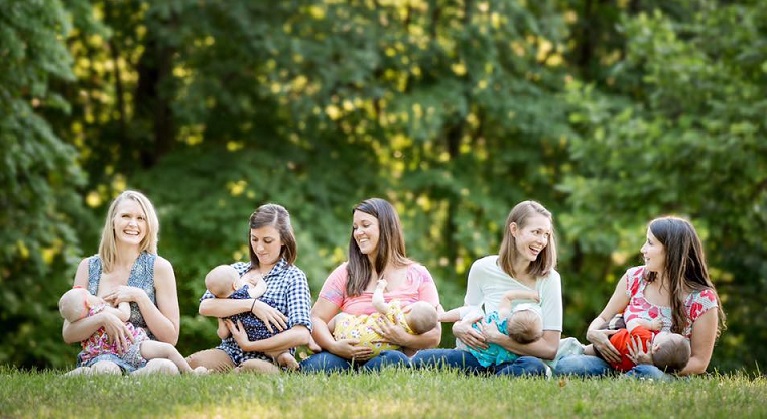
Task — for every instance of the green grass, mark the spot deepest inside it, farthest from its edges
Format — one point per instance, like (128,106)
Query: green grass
(393,394)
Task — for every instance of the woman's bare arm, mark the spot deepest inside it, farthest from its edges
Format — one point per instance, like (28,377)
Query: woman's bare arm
(544,348)
(702,343)
(322,312)
(295,336)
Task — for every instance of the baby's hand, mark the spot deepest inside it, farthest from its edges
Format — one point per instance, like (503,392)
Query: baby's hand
(535,297)
(382,284)
(656,324)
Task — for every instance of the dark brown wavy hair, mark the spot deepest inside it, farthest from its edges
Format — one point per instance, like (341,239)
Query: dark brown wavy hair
(684,267)
(391,245)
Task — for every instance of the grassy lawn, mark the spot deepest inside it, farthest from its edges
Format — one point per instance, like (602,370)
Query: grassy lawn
(393,394)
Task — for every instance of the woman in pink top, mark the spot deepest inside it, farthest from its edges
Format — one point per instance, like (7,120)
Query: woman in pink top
(674,285)
(376,250)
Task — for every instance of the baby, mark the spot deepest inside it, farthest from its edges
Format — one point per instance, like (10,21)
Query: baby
(670,352)
(523,323)
(78,303)
(417,318)
(224,282)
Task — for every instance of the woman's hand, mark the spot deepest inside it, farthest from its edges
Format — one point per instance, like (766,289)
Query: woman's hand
(601,340)
(348,348)
(390,332)
(491,332)
(238,332)
(125,293)
(116,331)
(468,335)
(637,353)
(270,316)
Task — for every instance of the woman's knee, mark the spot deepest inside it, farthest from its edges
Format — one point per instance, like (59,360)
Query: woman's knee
(258,366)
(446,358)
(582,365)
(649,372)
(106,367)
(524,366)
(324,362)
(158,366)
(429,358)
(214,360)
(387,359)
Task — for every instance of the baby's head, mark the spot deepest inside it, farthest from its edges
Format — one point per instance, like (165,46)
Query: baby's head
(670,351)
(422,317)
(524,325)
(75,304)
(221,281)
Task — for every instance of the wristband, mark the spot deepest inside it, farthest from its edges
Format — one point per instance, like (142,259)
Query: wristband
(253,305)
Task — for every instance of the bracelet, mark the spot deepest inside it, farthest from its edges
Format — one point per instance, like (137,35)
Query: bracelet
(253,305)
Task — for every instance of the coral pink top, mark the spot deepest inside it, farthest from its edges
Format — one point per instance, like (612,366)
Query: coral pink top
(696,303)
(419,286)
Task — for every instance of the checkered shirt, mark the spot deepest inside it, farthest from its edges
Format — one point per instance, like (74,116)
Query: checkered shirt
(287,291)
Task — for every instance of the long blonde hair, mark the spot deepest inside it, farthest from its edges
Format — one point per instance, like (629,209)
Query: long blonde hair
(108,245)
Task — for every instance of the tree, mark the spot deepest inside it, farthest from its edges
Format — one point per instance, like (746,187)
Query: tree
(681,131)
(40,205)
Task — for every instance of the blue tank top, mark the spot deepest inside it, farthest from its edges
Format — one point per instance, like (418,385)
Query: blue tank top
(141,276)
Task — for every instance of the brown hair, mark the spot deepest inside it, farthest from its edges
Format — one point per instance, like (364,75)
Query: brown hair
(673,355)
(278,217)
(546,260)
(391,245)
(684,267)
(524,326)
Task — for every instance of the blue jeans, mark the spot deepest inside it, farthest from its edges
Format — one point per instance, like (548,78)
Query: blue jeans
(594,366)
(465,361)
(329,363)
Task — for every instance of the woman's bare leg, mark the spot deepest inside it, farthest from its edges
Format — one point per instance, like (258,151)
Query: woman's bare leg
(258,366)
(106,367)
(152,349)
(158,366)
(214,360)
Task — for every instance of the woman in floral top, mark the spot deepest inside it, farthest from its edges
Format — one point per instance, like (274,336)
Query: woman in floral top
(674,285)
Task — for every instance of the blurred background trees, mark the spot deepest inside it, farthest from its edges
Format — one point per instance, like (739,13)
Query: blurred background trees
(609,113)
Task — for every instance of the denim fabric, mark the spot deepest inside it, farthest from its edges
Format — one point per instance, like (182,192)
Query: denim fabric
(593,366)
(456,358)
(329,363)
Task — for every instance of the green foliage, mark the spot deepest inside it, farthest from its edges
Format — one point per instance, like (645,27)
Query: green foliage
(686,145)
(40,207)
(609,114)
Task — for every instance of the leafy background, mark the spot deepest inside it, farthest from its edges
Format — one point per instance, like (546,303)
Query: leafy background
(609,113)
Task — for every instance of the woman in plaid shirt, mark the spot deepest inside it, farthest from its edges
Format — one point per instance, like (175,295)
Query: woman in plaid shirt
(280,317)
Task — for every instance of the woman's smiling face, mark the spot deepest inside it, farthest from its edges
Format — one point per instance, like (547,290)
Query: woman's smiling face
(533,237)
(130,222)
(654,254)
(366,232)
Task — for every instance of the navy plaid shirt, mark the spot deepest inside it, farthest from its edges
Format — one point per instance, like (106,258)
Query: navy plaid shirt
(287,291)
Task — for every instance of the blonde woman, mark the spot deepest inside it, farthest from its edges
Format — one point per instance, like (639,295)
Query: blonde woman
(128,269)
